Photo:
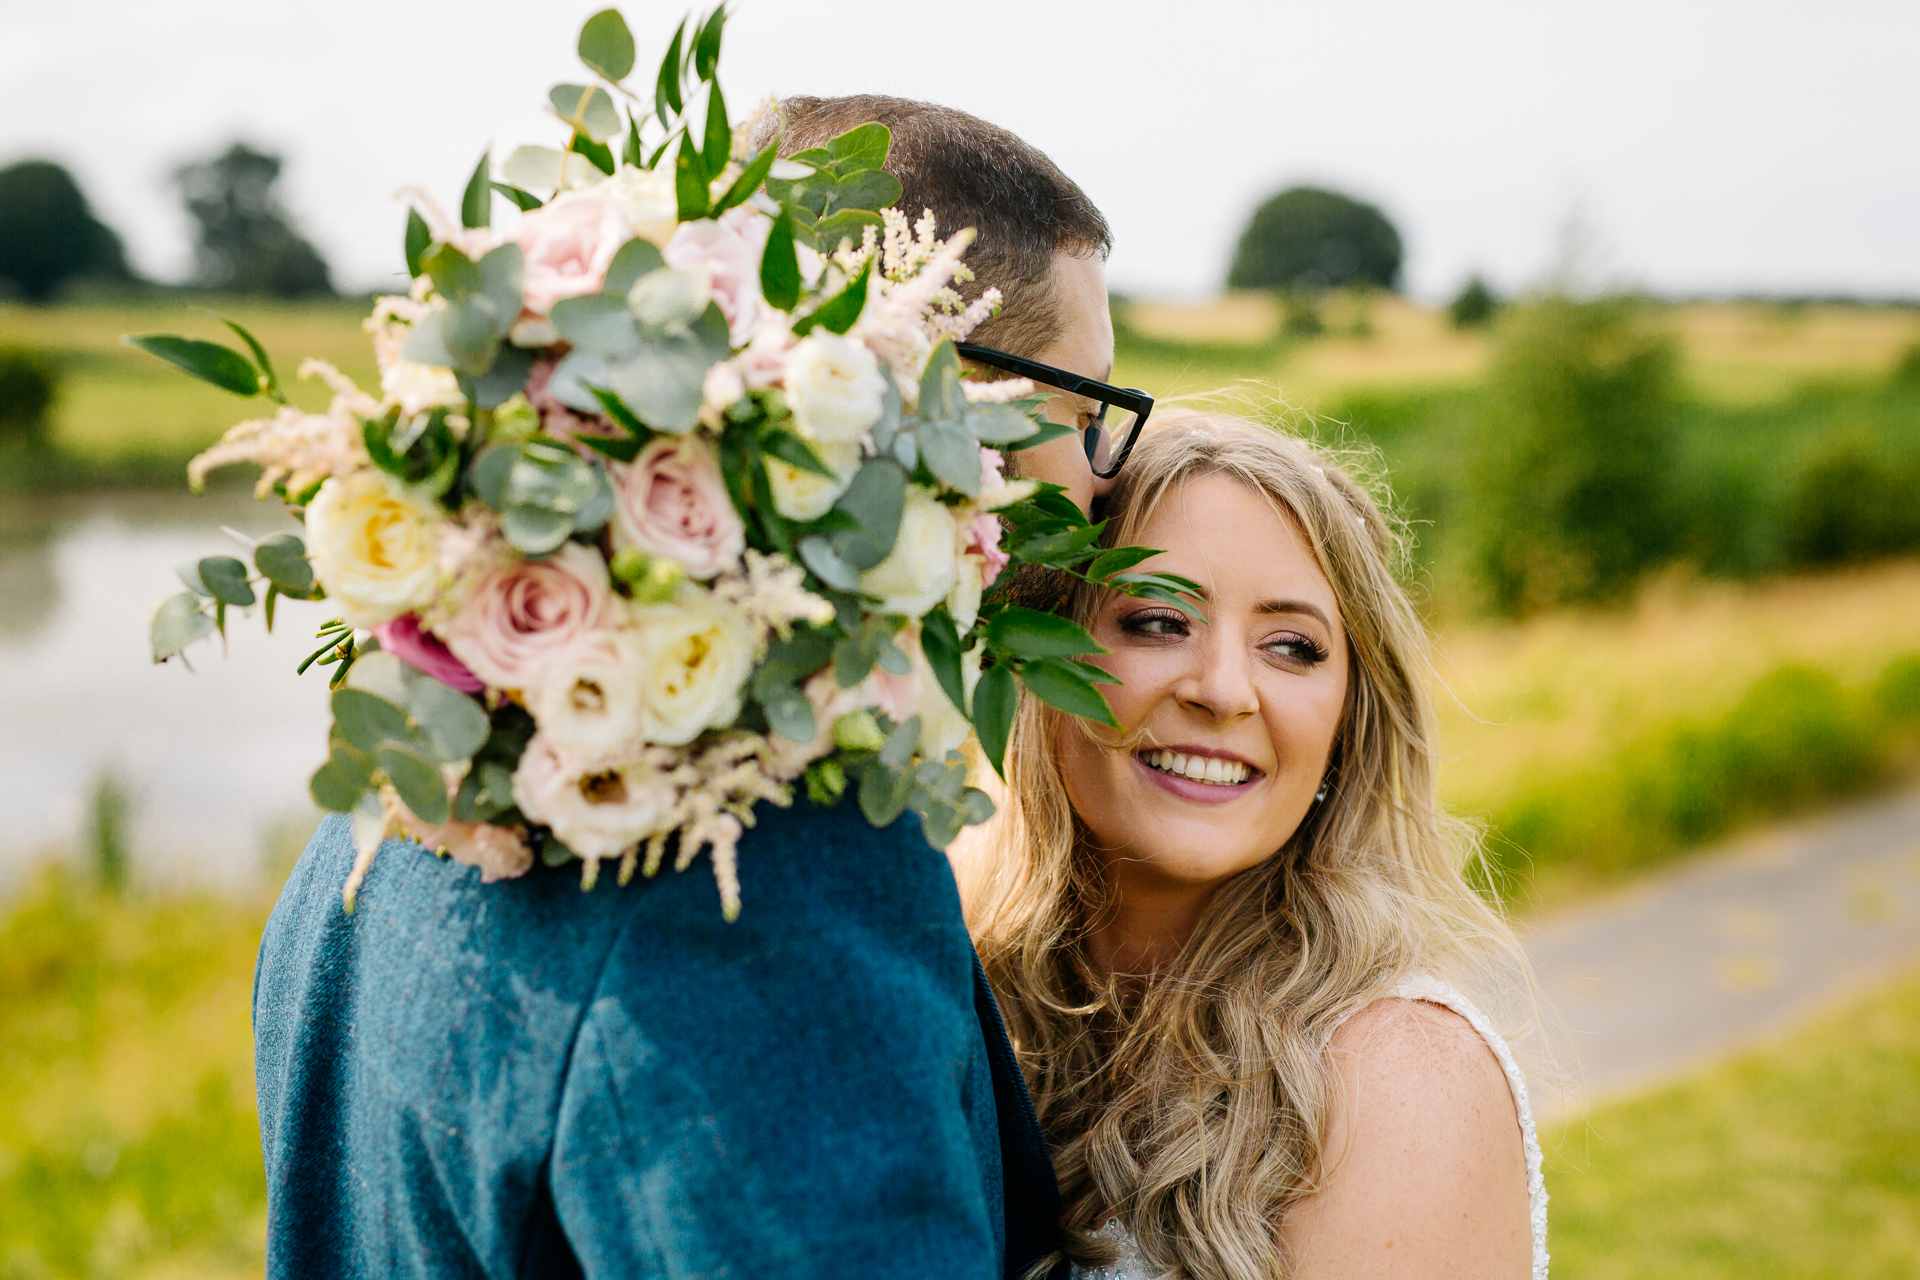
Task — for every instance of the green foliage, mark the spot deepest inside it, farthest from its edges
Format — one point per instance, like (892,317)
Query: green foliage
(48,234)
(1906,370)
(246,243)
(1569,465)
(1849,502)
(1796,740)
(29,382)
(1316,239)
(1794,1161)
(109,808)
(1473,307)
(128,1119)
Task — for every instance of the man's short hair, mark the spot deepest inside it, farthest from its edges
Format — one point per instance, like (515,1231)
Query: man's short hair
(974,174)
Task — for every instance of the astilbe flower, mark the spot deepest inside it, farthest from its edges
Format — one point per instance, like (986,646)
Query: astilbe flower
(295,446)
(772,595)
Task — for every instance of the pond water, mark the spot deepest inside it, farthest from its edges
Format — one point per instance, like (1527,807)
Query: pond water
(215,759)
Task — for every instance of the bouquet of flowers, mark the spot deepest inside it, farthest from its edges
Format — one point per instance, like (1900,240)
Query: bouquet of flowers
(672,497)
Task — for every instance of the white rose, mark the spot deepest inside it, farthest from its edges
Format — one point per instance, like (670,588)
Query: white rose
(920,570)
(373,544)
(647,198)
(942,727)
(590,697)
(963,602)
(699,654)
(834,387)
(600,807)
(417,387)
(807,495)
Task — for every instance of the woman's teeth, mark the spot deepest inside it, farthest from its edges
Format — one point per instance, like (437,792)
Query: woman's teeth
(1226,773)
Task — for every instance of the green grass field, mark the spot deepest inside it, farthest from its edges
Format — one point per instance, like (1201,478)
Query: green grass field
(1798,1161)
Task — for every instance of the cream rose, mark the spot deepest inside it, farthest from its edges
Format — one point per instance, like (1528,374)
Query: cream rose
(969,583)
(920,570)
(672,502)
(942,727)
(699,655)
(807,495)
(417,387)
(646,198)
(591,696)
(568,246)
(834,388)
(599,806)
(519,618)
(373,544)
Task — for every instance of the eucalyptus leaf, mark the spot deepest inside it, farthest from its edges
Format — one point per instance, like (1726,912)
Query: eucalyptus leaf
(820,556)
(470,328)
(283,559)
(789,713)
(489,472)
(636,258)
(898,752)
(418,780)
(503,380)
(426,344)
(588,108)
(535,531)
(883,793)
(384,676)
(536,168)
(226,580)
(208,361)
(940,395)
(188,571)
(485,793)
(366,720)
(668,301)
(600,323)
(454,725)
(664,383)
(875,498)
(335,788)
(177,623)
(998,424)
(844,225)
(606,46)
(575,376)
(502,274)
(952,454)
(453,272)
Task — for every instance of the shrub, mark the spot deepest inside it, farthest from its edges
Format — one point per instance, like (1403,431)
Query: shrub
(1567,480)
(1906,370)
(1848,503)
(28,384)
(1307,237)
(1473,306)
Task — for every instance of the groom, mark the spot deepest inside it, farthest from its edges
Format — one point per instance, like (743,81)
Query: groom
(521,1079)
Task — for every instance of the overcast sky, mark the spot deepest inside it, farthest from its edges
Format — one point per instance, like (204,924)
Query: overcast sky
(1707,147)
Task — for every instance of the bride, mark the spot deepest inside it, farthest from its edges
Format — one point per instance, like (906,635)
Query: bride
(1233,941)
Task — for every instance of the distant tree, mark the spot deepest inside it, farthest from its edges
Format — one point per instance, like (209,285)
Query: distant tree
(1473,306)
(246,242)
(28,384)
(48,234)
(1307,237)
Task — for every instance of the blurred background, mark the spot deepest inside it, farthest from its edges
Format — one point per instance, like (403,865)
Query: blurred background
(1623,301)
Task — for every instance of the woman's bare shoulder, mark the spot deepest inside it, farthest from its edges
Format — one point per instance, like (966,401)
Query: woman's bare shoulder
(1423,1166)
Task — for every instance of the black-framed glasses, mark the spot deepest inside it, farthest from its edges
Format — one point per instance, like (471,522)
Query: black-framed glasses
(1107,444)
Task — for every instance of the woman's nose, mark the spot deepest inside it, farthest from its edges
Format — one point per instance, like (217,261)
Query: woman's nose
(1221,685)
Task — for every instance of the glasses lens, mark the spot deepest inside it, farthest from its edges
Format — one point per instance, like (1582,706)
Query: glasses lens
(1106,441)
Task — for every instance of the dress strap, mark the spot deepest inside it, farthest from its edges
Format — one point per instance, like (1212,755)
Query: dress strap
(1433,991)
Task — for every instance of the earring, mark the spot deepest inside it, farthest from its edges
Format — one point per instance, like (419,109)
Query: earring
(1320,796)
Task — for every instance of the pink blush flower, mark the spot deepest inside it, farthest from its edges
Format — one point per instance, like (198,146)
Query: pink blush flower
(420,649)
(568,244)
(981,536)
(671,501)
(501,853)
(521,617)
(729,251)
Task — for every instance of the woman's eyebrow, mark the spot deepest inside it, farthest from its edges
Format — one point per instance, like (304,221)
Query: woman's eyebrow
(1294,606)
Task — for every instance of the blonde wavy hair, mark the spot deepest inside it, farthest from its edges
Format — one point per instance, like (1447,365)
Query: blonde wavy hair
(1191,1104)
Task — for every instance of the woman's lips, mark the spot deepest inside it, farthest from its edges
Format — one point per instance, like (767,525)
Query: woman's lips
(1188,788)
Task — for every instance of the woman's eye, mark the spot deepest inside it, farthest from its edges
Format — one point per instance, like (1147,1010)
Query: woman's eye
(1297,649)
(1154,624)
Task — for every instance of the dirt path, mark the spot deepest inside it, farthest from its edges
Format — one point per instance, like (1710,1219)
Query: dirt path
(1732,948)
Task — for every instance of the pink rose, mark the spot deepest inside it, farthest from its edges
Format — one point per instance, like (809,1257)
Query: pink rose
(520,617)
(670,501)
(729,252)
(980,536)
(898,697)
(420,649)
(763,361)
(830,702)
(569,244)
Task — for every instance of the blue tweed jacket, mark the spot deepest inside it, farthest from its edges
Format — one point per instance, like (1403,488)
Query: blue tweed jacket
(522,1080)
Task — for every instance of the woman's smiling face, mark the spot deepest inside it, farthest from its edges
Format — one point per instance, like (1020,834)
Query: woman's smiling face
(1239,711)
